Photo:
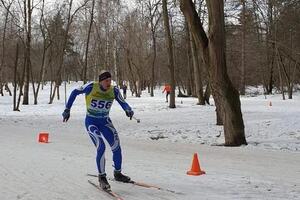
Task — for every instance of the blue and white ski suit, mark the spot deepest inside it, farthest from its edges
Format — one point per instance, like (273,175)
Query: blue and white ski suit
(97,121)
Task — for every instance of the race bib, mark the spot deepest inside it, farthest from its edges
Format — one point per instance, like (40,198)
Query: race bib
(100,104)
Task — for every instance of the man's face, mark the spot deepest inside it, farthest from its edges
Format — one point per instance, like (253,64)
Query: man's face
(106,83)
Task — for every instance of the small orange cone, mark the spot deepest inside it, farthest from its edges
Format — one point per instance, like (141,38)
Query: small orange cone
(195,169)
(43,137)
(270,103)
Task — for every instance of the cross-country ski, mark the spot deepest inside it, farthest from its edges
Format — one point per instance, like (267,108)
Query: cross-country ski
(141,184)
(108,191)
(155,99)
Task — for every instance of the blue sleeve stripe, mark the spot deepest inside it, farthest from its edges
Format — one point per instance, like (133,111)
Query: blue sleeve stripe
(85,89)
(121,100)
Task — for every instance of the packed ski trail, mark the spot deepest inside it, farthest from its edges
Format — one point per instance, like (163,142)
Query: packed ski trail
(58,170)
(268,168)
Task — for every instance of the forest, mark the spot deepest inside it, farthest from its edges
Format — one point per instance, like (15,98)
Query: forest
(201,48)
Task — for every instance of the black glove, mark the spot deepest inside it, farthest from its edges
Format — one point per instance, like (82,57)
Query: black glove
(66,115)
(129,113)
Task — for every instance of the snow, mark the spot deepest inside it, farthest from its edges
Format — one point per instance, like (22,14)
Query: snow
(157,151)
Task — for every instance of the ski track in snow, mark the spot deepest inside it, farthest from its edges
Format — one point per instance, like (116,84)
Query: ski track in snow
(157,151)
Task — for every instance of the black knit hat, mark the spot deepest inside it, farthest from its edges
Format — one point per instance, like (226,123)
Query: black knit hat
(104,75)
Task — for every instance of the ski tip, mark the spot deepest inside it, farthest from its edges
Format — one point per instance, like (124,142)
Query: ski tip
(93,175)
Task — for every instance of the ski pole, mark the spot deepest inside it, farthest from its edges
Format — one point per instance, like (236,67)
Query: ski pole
(137,120)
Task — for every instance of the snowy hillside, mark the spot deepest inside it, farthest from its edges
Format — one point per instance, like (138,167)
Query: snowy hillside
(158,150)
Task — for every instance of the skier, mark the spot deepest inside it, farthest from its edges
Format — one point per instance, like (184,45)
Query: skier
(99,97)
(167,89)
(124,88)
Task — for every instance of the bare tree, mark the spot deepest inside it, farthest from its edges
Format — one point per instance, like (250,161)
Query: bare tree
(153,16)
(3,45)
(190,85)
(197,73)
(242,83)
(270,50)
(213,54)
(88,42)
(46,45)
(15,105)
(70,17)
(27,23)
(169,44)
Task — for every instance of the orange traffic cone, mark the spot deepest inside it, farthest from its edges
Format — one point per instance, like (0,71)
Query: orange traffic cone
(270,103)
(195,169)
(43,137)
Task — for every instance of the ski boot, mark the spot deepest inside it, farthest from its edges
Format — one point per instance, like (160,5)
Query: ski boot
(103,182)
(121,177)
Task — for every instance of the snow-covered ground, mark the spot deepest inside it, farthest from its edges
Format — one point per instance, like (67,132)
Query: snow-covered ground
(158,150)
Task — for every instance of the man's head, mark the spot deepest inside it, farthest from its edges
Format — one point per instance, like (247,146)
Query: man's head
(105,79)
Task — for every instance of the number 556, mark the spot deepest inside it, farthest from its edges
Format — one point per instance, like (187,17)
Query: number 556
(100,104)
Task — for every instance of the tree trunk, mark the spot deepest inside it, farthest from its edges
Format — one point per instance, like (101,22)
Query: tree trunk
(60,58)
(2,56)
(1,89)
(290,76)
(213,54)
(27,17)
(207,93)
(3,48)
(45,47)
(233,121)
(35,92)
(15,108)
(170,53)
(190,85)
(153,62)
(219,111)
(87,44)
(7,89)
(242,84)
(21,84)
(292,81)
(51,90)
(52,95)
(133,89)
(152,7)
(58,93)
(270,51)
(280,71)
(197,74)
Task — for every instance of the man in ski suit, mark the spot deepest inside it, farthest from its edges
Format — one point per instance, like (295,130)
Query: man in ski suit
(99,97)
